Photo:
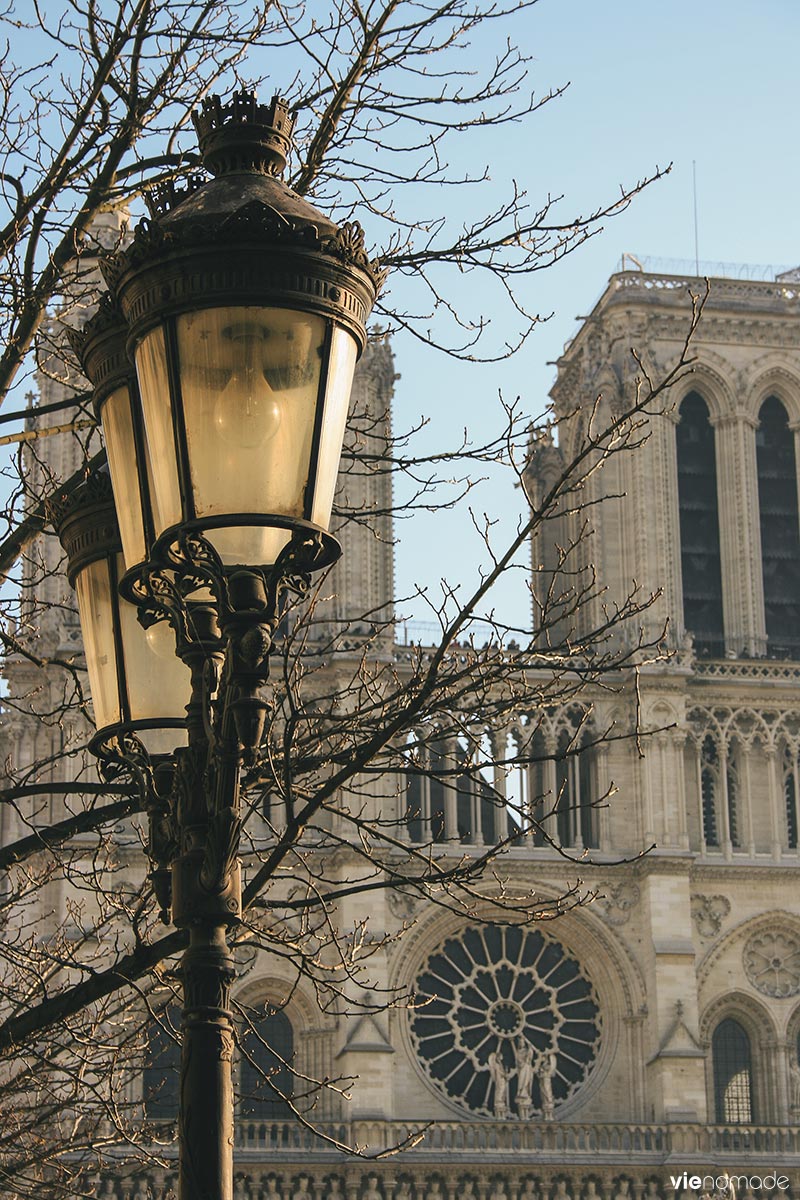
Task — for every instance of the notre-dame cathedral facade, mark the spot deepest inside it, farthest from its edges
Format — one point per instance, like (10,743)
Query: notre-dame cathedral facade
(656,1030)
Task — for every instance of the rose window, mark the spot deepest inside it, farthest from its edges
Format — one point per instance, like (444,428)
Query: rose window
(505,1022)
(772,962)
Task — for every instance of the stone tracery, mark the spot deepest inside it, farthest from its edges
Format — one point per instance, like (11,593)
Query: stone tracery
(506,1022)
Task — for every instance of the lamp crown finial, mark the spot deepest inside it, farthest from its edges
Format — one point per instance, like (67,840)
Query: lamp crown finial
(243,135)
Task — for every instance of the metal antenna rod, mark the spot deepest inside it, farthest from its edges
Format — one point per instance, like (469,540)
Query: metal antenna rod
(694,193)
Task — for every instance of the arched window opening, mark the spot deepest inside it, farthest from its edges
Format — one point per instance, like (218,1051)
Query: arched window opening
(732,782)
(540,800)
(476,798)
(451,793)
(425,784)
(709,769)
(733,1077)
(518,783)
(780,530)
(576,817)
(790,796)
(162,1067)
(265,1079)
(699,527)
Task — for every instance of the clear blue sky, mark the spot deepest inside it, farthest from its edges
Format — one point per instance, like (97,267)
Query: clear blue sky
(715,82)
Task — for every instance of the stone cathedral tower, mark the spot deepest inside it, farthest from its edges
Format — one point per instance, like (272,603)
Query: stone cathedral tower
(655,1031)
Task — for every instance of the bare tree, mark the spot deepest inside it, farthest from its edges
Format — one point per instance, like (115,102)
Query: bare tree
(360,726)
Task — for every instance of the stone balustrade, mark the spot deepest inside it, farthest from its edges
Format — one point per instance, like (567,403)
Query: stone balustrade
(548,1141)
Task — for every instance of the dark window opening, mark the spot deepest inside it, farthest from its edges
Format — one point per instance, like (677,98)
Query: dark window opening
(265,1080)
(732,780)
(790,799)
(780,532)
(699,526)
(733,1084)
(162,1068)
(708,785)
(576,817)
(437,785)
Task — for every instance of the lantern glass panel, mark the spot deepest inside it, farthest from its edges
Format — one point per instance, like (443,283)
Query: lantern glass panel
(250,382)
(117,422)
(337,401)
(159,684)
(151,367)
(96,604)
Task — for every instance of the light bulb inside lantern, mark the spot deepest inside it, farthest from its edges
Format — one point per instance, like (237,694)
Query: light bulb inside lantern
(161,640)
(247,413)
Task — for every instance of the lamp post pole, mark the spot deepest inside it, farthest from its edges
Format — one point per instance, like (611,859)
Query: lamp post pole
(243,311)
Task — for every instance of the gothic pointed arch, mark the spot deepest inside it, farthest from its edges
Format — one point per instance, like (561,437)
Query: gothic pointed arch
(780,529)
(267,1059)
(772,375)
(738,1030)
(701,569)
(731,1057)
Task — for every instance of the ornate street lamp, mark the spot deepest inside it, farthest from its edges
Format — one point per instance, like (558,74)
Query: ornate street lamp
(245,309)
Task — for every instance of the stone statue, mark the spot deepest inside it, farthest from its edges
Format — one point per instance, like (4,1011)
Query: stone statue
(270,1186)
(523,1053)
(500,1078)
(372,1191)
(794,1078)
(529,1191)
(591,1190)
(109,1191)
(402,1191)
(623,1191)
(434,1191)
(545,1070)
(652,1192)
(301,1191)
(334,1191)
(498,1191)
(142,1190)
(561,1187)
(467,1190)
(241,1191)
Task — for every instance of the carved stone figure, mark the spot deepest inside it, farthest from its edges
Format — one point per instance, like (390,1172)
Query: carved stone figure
(529,1191)
(301,1192)
(241,1191)
(467,1191)
(652,1191)
(402,1191)
(109,1192)
(591,1190)
(270,1186)
(794,1078)
(545,1070)
(334,1191)
(561,1189)
(623,1191)
(372,1191)
(434,1191)
(523,1051)
(498,1191)
(500,1078)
